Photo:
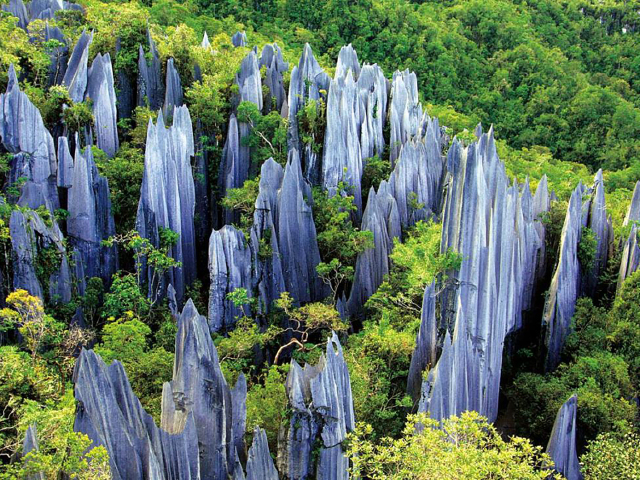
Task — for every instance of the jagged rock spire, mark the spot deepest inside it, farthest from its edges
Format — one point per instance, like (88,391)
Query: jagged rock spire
(110,414)
(199,391)
(58,55)
(308,82)
(631,251)
(381,217)
(571,279)
(271,59)
(65,164)
(260,464)
(90,220)
(562,443)
(405,112)
(29,235)
(489,223)
(18,10)
(173,92)
(239,39)
(424,353)
(322,412)
(150,84)
(167,195)
(30,444)
(633,214)
(205,41)
(75,78)
(229,269)
(100,90)
(24,135)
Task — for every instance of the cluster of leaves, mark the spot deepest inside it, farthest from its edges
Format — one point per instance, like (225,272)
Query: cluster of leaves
(267,136)
(612,457)
(243,201)
(312,122)
(465,447)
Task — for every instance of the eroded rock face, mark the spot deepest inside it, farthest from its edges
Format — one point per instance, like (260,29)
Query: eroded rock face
(562,443)
(18,10)
(424,353)
(25,137)
(167,196)
(490,223)
(239,39)
(173,92)
(308,80)
(150,84)
(229,269)
(271,59)
(76,76)
(31,237)
(381,217)
(101,92)
(631,251)
(260,464)
(29,445)
(110,414)
(90,220)
(322,412)
(571,279)
(405,112)
(58,55)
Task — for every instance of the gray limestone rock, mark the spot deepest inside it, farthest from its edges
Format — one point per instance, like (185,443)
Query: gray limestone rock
(150,84)
(90,220)
(260,464)
(405,111)
(167,197)
(173,92)
(199,391)
(30,444)
(100,90)
(18,10)
(490,223)
(562,443)
(110,414)
(381,217)
(58,55)
(229,269)
(308,81)
(233,172)
(75,78)
(633,214)
(271,59)
(571,279)
(65,164)
(424,353)
(630,260)
(205,41)
(322,413)
(24,135)
(29,236)
(239,39)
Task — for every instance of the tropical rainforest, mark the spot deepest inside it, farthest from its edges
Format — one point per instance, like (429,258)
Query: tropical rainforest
(295,239)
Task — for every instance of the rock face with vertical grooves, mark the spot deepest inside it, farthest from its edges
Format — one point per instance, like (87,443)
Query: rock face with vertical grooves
(271,59)
(90,220)
(488,221)
(260,464)
(167,195)
(424,353)
(58,55)
(416,180)
(562,443)
(100,91)
(356,111)
(229,269)
(236,158)
(571,279)
(405,111)
(24,136)
(308,80)
(631,251)
(199,391)
(239,39)
(29,445)
(322,413)
(65,164)
(18,10)
(173,92)
(633,214)
(75,78)
(110,414)
(150,84)
(381,217)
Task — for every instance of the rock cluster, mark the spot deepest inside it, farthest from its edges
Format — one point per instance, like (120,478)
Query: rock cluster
(571,279)
(562,443)
(491,224)
(631,251)
(167,198)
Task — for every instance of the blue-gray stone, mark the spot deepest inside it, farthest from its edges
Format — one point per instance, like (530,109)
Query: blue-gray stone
(101,92)
(562,443)
(75,78)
